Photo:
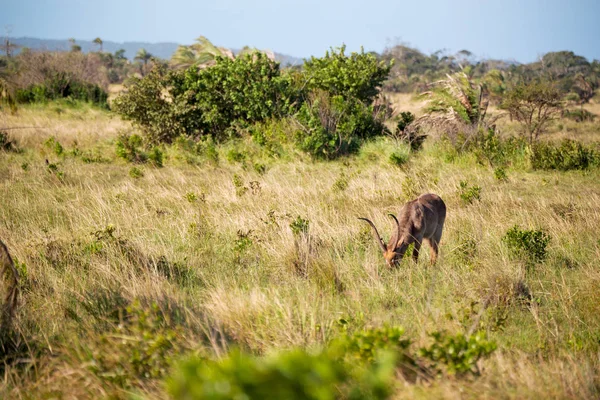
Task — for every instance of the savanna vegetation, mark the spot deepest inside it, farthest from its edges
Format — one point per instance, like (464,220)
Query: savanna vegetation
(196,236)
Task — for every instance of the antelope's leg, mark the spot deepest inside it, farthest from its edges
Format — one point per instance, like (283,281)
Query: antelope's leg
(434,250)
(416,250)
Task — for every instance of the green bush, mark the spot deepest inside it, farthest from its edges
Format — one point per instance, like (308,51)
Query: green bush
(60,86)
(358,76)
(398,159)
(290,375)
(332,126)
(128,148)
(468,194)
(148,103)
(242,91)
(569,155)
(530,244)
(457,354)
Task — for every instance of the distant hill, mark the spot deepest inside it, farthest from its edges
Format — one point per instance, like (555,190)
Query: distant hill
(161,50)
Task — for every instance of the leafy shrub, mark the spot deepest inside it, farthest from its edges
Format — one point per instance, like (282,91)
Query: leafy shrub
(332,126)
(142,348)
(457,354)
(55,146)
(299,226)
(63,85)
(398,159)
(533,105)
(528,243)
(578,115)
(149,104)
(468,194)
(568,155)
(128,148)
(365,345)
(408,134)
(341,183)
(235,92)
(238,184)
(290,375)
(358,76)
(136,173)
(156,157)
(500,174)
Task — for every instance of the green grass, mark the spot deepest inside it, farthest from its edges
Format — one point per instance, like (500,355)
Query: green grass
(225,269)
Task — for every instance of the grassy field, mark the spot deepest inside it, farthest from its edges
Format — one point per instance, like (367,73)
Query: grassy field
(208,241)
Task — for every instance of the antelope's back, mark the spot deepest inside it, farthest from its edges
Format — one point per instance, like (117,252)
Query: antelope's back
(434,207)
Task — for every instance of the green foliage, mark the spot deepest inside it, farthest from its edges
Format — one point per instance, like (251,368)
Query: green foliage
(238,184)
(148,103)
(235,156)
(55,146)
(500,174)
(128,148)
(62,85)
(139,349)
(457,354)
(299,226)
(569,155)
(533,105)
(398,159)
(341,183)
(358,76)
(156,157)
(236,92)
(530,244)
(332,126)
(579,115)
(136,173)
(367,345)
(290,375)
(469,194)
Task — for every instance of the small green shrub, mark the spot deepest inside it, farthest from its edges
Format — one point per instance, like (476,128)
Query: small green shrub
(341,183)
(235,156)
(128,148)
(530,244)
(156,157)
(398,159)
(299,226)
(55,146)
(366,345)
(260,169)
(136,173)
(238,184)
(293,375)
(142,348)
(469,194)
(191,197)
(457,354)
(579,115)
(500,174)
(569,155)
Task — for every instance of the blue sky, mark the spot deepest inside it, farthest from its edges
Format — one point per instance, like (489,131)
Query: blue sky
(507,29)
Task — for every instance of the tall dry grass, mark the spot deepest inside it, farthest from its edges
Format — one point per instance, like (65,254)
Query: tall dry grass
(226,269)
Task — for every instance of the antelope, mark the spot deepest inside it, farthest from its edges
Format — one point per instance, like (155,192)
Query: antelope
(10,275)
(420,219)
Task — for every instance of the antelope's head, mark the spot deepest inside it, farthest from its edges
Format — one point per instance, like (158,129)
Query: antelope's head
(395,249)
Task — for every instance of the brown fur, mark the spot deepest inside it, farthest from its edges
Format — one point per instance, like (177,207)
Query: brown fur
(419,219)
(10,280)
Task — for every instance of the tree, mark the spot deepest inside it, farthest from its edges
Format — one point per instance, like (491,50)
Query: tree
(456,103)
(358,76)
(99,42)
(203,53)
(120,54)
(533,105)
(143,56)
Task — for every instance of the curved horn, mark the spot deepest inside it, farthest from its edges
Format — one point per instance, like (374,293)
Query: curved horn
(378,238)
(396,235)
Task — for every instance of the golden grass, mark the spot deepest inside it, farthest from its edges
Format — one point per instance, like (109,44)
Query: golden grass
(254,295)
